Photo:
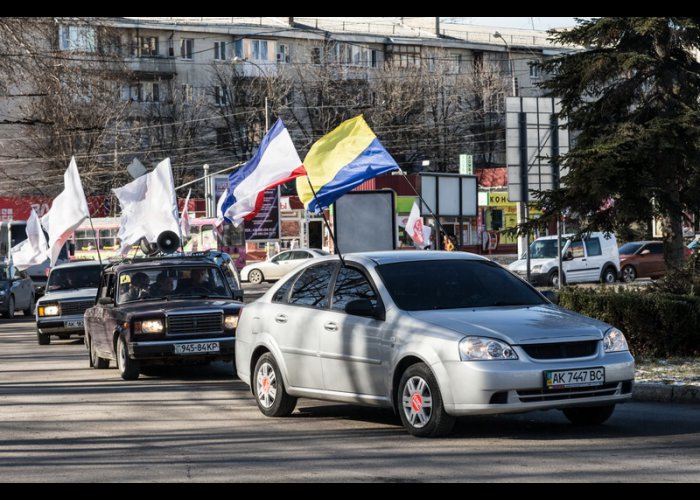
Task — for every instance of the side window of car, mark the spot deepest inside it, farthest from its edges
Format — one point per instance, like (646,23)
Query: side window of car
(282,256)
(311,288)
(300,255)
(593,247)
(350,285)
(656,248)
(280,296)
(576,249)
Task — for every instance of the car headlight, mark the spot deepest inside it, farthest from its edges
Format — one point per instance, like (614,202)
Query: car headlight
(537,269)
(49,310)
(484,349)
(615,341)
(148,326)
(231,321)
(2,293)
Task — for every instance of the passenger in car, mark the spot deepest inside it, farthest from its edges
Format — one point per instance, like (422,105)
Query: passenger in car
(163,285)
(139,287)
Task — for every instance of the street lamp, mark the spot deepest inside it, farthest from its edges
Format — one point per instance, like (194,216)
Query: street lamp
(241,60)
(510,63)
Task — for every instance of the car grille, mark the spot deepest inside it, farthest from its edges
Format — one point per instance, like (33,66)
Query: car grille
(536,395)
(75,307)
(564,350)
(196,323)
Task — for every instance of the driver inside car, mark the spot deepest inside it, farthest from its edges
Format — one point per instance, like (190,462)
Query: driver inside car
(196,283)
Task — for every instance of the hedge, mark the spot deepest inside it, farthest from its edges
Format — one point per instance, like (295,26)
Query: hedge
(655,324)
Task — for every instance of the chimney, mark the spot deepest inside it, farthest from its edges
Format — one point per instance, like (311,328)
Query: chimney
(291,22)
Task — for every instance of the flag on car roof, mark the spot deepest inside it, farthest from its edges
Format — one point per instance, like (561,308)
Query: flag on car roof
(68,210)
(33,250)
(414,226)
(341,160)
(149,207)
(275,163)
(185,217)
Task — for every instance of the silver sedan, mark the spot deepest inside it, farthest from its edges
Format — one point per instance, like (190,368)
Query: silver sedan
(434,335)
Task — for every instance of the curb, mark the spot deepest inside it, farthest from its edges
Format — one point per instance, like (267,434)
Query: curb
(664,393)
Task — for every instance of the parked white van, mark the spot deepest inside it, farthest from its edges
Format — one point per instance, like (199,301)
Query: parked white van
(591,259)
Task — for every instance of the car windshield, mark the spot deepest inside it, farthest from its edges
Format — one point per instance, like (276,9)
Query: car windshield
(454,284)
(630,248)
(169,282)
(544,249)
(72,278)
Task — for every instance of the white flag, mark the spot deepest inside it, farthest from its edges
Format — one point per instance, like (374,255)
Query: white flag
(149,207)
(185,218)
(414,226)
(33,250)
(68,210)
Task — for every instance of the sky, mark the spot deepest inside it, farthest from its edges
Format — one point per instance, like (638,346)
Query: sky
(539,23)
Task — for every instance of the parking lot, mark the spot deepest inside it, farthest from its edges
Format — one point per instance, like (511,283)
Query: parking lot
(62,421)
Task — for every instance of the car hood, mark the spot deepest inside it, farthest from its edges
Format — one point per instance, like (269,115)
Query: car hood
(521,264)
(181,306)
(518,324)
(78,294)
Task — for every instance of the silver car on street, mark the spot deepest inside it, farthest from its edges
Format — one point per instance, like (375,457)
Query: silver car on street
(433,335)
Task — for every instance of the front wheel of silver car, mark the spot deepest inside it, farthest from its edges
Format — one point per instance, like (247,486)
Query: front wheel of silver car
(420,403)
(589,415)
(128,368)
(270,394)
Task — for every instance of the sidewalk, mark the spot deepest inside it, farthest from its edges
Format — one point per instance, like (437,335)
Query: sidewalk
(666,393)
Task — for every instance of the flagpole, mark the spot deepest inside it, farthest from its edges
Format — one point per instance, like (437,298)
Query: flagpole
(323,213)
(94,235)
(437,221)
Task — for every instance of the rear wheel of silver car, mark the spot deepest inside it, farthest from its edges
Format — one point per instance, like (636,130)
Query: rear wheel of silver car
(592,415)
(270,394)
(255,276)
(128,368)
(95,361)
(43,339)
(629,274)
(420,403)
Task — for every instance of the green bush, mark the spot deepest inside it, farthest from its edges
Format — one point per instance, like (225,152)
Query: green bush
(656,324)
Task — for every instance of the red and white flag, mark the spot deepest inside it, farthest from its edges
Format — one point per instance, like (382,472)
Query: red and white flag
(185,217)
(414,226)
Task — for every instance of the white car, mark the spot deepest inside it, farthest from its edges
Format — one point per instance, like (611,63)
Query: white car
(279,265)
(434,335)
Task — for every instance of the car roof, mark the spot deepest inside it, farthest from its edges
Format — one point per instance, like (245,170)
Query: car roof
(80,263)
(161,262)
(396,256)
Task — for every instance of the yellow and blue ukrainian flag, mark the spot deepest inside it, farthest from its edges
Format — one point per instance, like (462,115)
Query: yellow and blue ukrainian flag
(341,160)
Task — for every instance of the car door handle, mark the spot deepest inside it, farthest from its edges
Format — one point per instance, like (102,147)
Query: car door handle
(281,318)
(331,327)
(583,260)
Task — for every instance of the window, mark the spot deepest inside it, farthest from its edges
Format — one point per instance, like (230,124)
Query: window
(223,139)
(311,288)
(283,53)
(375,58)
(656,248)
(238,49)
(280,295)
(145,46)
(282,257)
(300,254)
(478,61)
(351,285)
(576,249)
(79,38)
(220,51)
(108,239)
(187,48)
(84,239)
(534,70)
(220,92)
(316,55)
(405,56)
(593,247)
(259,50)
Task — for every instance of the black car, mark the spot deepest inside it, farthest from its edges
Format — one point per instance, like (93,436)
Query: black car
(16,291)
(163,310)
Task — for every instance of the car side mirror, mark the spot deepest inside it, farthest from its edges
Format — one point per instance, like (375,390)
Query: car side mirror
(105,301)
(551,296)
(363,307)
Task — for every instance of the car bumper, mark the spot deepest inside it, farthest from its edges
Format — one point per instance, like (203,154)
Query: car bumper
(165,349)
(61,324)
(491,387)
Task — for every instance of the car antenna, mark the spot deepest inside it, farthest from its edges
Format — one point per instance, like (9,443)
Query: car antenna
(323,213)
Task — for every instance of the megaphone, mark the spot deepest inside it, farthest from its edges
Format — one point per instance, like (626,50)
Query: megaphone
(147,248)
(168,242)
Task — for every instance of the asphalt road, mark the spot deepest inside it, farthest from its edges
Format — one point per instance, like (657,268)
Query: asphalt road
(61,421)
